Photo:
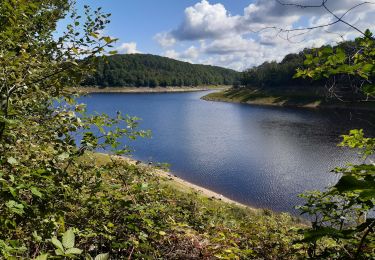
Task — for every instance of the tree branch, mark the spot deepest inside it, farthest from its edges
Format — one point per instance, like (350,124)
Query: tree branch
(338,19)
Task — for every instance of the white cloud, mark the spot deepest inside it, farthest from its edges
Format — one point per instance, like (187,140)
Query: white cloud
(128,48)
(204,20)
(165,39)
(189,55)
(172,54)
(236,42)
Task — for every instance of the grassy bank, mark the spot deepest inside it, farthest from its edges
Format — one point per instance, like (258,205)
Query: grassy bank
(155,215)
(85,90)
(172,180)
(286,98)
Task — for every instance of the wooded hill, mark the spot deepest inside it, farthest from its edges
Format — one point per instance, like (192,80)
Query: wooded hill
(146,70)
(280,76)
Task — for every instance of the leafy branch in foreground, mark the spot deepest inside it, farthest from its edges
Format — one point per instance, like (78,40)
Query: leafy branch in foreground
(38,148)
(353,69)
(341,213)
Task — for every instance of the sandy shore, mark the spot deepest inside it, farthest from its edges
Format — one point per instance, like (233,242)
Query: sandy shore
(285,101)
(89,90)
(183,185)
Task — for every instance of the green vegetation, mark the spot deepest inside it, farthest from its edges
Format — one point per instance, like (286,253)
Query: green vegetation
(341,212)
(280,77)
(145,70)
(293,97)
(61,200)
(274,97)
(130,210)
(277,74)
(278,84)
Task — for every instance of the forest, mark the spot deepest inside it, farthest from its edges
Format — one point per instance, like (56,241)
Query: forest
(146,70)
(281,76)
(272,74)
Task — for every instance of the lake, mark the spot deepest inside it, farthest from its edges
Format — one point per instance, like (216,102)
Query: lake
(260,156)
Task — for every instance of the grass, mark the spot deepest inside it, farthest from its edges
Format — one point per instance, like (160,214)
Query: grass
(183,223)
(284,97)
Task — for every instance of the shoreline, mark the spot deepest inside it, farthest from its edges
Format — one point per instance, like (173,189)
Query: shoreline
(134,90)
(272,101)
(186,186)
(169,178)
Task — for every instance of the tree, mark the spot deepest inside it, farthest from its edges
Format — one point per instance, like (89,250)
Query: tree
(341,227)
(42,130)
(355,69)
(341,212)
(119,70)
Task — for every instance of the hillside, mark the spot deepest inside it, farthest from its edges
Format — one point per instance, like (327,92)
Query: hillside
(145,70)
(273,74)
(274,83)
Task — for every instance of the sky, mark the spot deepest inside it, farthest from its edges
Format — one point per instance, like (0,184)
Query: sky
(227,33)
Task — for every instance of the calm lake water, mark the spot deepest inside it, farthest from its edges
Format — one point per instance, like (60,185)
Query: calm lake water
(260,156)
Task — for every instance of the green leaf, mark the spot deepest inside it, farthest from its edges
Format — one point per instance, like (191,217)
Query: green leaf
(15,207)
(94,35)
(42,257)
(12,161)
(369,89)
(144,186)
(36,237)
(367,194)
(57,244)
(102,257)
(63,156)
(36,192)
(68,239)
(59,252)
(327,50)
(13,192)
(108,39)
(367,68)
(73,251)
(351,183)
(315,235)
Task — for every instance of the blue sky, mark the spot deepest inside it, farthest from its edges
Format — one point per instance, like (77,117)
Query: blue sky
(139,20)
(220,32)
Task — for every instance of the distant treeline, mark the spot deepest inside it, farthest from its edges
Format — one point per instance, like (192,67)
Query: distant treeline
(280,74)
(275,74)
(145,70)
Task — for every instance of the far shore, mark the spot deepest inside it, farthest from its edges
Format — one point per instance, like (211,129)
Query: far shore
(251,97)
(88,90)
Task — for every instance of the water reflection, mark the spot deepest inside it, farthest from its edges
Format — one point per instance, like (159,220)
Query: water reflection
(261,156)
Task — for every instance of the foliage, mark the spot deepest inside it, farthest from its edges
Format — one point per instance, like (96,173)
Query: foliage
(37,145)
(341,213)
(145,70)
(128,210)
(60,200)
(65,247)
(349,69)
(343,72)
(276,75)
